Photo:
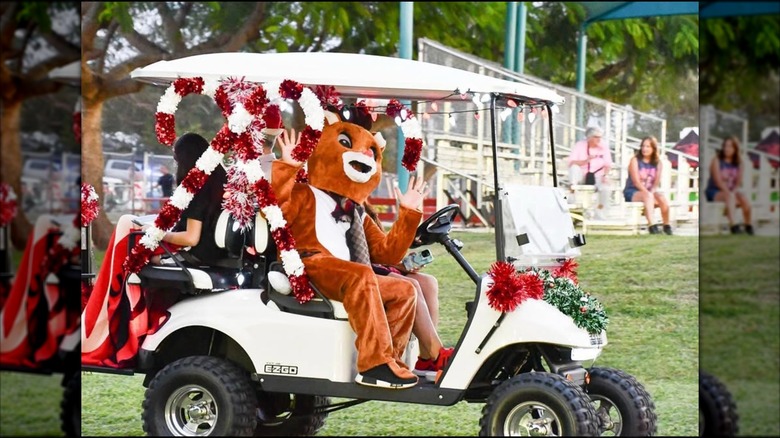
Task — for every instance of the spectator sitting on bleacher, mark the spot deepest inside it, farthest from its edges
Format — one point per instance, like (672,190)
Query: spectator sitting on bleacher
(644,173)
(592,156)
(726,180)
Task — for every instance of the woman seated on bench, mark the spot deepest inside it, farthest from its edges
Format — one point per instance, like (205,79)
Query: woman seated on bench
(726,180)
(644,173)
(112,332)
(200,217)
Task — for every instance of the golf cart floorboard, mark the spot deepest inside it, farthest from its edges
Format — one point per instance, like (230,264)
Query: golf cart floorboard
(424,392)
(28,370)
(107,370)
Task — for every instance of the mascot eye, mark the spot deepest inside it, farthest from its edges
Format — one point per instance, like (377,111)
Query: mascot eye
(345,141)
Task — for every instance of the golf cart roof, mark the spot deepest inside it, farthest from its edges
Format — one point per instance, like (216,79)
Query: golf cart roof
(353,75)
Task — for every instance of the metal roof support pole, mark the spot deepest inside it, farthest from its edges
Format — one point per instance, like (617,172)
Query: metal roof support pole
(509,61)
(404,52)
(582,50)
(519,64)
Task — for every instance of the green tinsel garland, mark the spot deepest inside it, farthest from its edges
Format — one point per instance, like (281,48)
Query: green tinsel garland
(563,293)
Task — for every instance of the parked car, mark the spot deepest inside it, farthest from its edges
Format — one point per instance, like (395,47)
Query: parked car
(123,169)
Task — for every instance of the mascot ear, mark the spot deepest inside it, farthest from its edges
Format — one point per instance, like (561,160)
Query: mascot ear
(331,118)
(380,140)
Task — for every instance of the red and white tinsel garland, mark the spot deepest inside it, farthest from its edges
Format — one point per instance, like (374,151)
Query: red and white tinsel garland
(7,204)
(89,204)
(510,288)
(243,104)
(412,131)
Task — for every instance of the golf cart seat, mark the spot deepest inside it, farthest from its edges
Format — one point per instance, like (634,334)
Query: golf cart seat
(280,293)
(181,273)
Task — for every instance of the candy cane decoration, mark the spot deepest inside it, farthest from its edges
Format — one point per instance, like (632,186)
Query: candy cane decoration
(243,105)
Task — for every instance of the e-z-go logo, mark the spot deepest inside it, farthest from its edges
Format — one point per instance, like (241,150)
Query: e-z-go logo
(275,368)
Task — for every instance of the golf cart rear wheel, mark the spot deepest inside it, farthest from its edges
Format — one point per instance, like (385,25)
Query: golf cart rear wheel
(281,414)
(200,396)
(717,409)
(538,404)
(70,407)
(623,406)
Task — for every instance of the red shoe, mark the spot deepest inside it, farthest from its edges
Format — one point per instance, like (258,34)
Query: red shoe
(429,367)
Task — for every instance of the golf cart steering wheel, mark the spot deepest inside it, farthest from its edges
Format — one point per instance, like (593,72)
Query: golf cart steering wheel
(436,225)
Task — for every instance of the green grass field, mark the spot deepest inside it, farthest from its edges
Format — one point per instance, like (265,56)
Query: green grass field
(648,285)
(740,325)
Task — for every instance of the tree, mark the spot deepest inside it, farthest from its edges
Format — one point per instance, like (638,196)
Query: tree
(35,38)
(739,67)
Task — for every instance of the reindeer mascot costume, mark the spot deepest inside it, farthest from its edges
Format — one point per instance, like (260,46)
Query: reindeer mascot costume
(338,242)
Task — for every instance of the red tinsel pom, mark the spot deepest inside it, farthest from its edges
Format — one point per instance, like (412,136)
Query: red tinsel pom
(301,288)
(328,96)
(223,102)
(168,216)
(283,238)
(7,205)
(185,86)
(265,195)
(137,259)
(302,177)
(244,147)
(273,117)
(89,204)
(412,152)
(223,140)
(394,108)
(309,139)
(256,101)
(531,286)
(567,269)
(165,128)
(194,180)
(504,294)
(290,89)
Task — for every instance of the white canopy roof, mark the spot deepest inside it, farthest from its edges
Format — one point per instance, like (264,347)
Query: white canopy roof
(353,75)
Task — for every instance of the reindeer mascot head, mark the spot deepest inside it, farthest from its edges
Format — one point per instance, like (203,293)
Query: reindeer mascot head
(338,242)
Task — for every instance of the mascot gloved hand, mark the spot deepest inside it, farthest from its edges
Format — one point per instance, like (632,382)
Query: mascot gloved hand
(338,241)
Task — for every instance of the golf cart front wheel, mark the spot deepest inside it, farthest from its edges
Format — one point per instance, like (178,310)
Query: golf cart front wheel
(538,404)
(623,406)
(717,409)
(200,396)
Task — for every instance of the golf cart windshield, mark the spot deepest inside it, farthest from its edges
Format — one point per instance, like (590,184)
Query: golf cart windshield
(468,120)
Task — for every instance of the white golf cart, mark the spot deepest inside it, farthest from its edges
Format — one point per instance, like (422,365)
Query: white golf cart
(238,355)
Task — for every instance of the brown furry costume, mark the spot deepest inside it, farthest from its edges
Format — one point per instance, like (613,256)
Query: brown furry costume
(381,309)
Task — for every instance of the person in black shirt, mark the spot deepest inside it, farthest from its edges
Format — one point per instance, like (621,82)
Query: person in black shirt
(165,182)
(196,227)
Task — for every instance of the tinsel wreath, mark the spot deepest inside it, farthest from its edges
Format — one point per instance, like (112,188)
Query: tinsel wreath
(89,211)
(567,296)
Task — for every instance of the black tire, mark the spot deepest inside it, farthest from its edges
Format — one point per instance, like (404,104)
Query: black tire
(290,414)
(220,389)
(564,403)
(623,406)
(717,409)
(70,407)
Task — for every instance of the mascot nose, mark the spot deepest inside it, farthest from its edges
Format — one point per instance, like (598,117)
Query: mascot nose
(369,153)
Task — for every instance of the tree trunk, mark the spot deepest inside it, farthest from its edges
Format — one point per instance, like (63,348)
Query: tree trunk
(11,169)
(92,166)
